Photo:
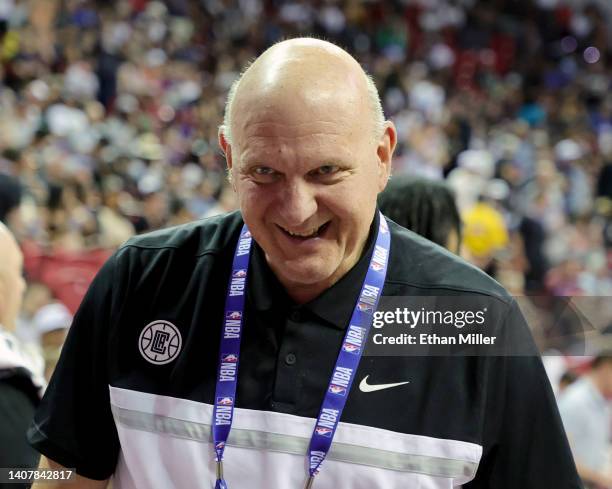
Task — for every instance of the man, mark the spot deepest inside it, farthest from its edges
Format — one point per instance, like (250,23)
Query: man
(20,379)
(585,411)
(426,207)
(148,388)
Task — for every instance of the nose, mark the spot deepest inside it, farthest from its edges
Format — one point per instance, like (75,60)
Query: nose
(298,203)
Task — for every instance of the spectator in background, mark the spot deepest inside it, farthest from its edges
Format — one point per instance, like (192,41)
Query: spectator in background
(484,235)
(426,207)
(585,412)
(567,379)
(36,296)
(10,198)
(21,383)
(52,322)
(42,325)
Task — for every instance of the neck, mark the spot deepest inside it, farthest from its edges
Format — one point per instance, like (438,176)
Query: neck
(303,293)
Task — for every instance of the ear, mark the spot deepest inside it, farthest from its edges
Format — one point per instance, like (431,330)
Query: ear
(227,151)
(384,150)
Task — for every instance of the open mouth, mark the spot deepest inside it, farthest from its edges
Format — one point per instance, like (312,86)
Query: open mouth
(314,233)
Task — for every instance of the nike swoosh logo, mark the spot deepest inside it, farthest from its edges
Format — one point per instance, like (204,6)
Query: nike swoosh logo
(365,387)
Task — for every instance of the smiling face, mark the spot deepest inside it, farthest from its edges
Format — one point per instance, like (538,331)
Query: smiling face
(307,169)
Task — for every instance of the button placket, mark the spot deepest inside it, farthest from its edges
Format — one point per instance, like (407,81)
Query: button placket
(287,382)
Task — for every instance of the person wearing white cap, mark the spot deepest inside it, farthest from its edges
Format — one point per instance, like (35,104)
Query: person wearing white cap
(52,322)
(469,180)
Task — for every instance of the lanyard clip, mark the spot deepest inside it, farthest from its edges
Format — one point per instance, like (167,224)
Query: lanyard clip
(219,469)
(309,482)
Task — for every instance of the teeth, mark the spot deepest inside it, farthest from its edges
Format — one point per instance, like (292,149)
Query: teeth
(302,235)
(311,234)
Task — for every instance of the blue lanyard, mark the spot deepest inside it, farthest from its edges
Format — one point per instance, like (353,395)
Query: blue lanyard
(346,363)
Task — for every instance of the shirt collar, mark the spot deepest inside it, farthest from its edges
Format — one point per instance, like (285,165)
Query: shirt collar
(332,305)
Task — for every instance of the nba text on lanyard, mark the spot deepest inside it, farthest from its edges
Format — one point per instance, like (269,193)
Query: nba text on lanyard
(346,363)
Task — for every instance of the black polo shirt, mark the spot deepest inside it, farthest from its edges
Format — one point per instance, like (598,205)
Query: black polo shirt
(133,391)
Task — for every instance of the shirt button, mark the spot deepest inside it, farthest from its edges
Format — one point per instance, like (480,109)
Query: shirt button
(295,316)
(290,359)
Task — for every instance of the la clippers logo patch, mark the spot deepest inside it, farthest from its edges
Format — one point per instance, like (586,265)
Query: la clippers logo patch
(160,342)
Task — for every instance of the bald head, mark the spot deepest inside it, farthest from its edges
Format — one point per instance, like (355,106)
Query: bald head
(12,284)
(307,153)
(299,73)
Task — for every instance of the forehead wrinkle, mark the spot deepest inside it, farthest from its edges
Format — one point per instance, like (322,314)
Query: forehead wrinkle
(292,101)
(272,134)
(286,152)
(262,129)
(287,120)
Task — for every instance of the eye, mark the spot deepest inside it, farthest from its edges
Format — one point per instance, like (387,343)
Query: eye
(264,174)
(263,171)
(325,170)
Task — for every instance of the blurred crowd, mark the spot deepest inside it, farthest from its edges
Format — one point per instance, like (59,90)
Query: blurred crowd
(109,114)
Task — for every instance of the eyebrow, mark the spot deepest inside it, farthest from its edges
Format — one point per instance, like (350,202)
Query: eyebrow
(251,164)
